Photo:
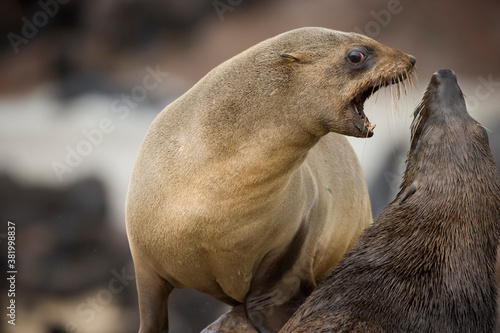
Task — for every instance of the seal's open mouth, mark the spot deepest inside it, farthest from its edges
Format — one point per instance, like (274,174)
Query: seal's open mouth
(358,106)
(357,103)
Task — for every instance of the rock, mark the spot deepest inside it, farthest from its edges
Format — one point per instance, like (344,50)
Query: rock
(233,321)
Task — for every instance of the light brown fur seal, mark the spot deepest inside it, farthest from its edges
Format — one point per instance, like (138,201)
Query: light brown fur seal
(427,264)
(238,191)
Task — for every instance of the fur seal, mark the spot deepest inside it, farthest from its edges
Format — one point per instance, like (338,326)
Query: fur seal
(427,264)
(238,191)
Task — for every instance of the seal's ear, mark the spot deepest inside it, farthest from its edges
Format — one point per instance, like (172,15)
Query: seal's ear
(295,56)
(410,190)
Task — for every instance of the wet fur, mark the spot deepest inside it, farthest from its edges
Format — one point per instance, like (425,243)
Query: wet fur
(427,264)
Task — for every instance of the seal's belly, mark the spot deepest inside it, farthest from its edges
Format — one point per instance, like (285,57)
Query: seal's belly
(221,264)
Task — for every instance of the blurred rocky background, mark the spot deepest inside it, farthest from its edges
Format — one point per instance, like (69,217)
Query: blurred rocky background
(80,82)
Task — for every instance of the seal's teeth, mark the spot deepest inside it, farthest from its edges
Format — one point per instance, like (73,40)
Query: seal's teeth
(356,108)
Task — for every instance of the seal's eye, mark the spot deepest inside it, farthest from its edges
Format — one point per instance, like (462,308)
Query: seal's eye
(355,56)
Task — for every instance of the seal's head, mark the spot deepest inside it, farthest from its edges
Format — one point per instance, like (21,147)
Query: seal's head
(333,73)
(315,78)
(447,145)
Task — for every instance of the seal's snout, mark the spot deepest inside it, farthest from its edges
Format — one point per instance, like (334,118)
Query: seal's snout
(446,92)
(442,99)
(445,73)
(445,76)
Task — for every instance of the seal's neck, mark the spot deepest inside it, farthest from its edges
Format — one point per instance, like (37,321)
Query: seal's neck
(451,154)
(254,138)
(256,151)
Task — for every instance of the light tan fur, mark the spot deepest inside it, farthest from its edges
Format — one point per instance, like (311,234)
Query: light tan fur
(229,173)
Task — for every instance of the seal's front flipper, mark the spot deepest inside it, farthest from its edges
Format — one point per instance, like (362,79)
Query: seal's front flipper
(153,298)
(268,312)
(409,192)
(280,286)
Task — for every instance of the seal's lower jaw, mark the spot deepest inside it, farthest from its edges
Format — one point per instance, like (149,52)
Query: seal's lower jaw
(361,123)
(356,106)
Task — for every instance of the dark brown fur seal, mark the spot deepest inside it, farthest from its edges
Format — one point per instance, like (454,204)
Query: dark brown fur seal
(427,264)
(238,191)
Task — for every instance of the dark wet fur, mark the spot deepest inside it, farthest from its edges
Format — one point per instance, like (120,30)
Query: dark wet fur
(428,262)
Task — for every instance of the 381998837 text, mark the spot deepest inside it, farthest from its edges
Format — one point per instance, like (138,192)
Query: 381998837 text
(11,272)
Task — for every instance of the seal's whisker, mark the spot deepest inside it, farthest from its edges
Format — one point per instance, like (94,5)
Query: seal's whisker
(404,99)
(402,95)
(410,83)
(407,86)
(392,113)
(403,87)
(378,84)
(396,98)
(387,113)
(406,78)
(415,82)
(410,80)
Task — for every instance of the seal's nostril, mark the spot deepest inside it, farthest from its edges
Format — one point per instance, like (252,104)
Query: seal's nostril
(413,60)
